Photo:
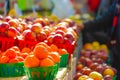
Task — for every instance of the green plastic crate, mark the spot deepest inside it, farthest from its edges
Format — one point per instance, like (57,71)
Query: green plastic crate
(41,73)
(64,60)
(12,69)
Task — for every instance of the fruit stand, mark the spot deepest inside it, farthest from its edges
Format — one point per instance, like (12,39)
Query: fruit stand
(37,47)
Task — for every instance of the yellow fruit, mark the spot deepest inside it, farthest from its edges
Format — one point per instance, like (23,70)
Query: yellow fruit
(108,72)
(95,75)
(83,77)
(104,47)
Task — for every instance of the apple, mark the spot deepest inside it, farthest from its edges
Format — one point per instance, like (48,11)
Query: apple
(77,75)
(47,31)
(7,18)
(93,66)
(95,75)
(41,36)
(79,67)
(13,23)
(86,71)
(40,20)
(82,60)
(50,39)
(69,21)
(104,55)
(63,28)
(60,32)
(58,39)
(69,36)
(63,24)
(100,61)
(36,27)
(46,21)
(99,69)
(85,53)
(108,77)
(67,41)
(29,35)
(88,62)
(3,27)
(93,52)
(12,32)
(23,24)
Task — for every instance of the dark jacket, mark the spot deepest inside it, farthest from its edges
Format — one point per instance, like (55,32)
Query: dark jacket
(103,23)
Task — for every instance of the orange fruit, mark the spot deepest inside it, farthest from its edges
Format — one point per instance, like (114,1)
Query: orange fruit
(50,57)
(26,50)
(4,59)
(24,55)
(20,59)
(62,51)
(11,53)
(55,56)
(13,60)
(46,62)
(88,46)
(31,61)
(40,52)
(45,45)
(15,48)
(54,48)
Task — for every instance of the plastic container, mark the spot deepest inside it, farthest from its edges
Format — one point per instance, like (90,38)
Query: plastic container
(12,70)
(41,73)
(26,43)
(64,60)
(6,43)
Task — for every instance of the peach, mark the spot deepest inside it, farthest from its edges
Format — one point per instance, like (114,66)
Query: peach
(41,36)
(36,27)
(58,38)
(4,26)
(13,23)
(29,35)
(12,32)
(50,39)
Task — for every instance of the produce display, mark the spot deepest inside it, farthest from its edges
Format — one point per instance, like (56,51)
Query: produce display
(41,45)
(92,63)
(38,47)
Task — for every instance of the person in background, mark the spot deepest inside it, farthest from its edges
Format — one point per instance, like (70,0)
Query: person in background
(110,20)
(99,34)
(6,7)
(93,6)
(103,7)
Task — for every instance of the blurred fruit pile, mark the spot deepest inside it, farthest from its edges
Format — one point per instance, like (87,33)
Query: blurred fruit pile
(62,33)
(92,63)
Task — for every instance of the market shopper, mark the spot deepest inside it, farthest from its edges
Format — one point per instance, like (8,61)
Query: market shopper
(109,21)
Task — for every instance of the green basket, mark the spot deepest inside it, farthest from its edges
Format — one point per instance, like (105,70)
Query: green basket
(41,73)
(114,78)
(12,69)
(64,60)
